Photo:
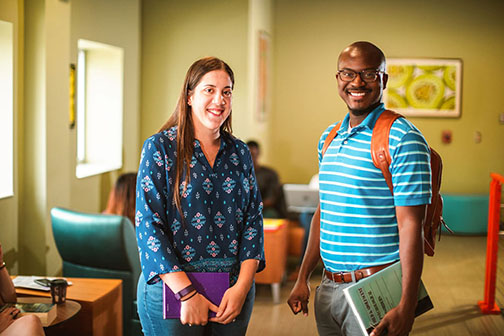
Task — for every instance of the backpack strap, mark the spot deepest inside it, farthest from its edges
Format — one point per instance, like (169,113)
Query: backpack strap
(380,144)
(332,134)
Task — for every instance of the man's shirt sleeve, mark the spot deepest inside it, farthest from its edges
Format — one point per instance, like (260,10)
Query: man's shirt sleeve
(410,168)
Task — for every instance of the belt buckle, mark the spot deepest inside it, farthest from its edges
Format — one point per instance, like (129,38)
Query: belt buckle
(342,276)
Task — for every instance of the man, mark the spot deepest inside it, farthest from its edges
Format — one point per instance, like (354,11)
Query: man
(269,185)
(359,226)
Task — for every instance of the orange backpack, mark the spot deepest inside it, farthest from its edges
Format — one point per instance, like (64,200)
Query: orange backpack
(381,159)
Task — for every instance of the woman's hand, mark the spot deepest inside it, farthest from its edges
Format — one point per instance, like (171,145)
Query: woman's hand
(233,299)
(7,317)
(194,307)
(1,255)
(194,311)
(231,304)
(7,290)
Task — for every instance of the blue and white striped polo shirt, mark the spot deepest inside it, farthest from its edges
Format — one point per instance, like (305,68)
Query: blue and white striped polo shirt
(358,225)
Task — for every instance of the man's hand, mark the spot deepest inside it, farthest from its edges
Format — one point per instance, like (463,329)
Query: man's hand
(299,297)
(231,305)
(300,294)
(397,322)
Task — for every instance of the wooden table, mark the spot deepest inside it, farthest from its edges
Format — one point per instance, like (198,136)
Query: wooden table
(101,307)
(65,311)
(275,252)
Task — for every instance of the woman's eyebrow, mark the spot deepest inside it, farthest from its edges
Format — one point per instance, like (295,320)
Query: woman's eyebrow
(214,86)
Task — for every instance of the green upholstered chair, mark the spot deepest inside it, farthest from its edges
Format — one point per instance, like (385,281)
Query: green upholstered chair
(100,246)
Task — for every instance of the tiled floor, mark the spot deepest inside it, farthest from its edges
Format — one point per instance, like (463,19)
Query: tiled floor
(454,278)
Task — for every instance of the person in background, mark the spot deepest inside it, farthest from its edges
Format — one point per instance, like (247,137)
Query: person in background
(360,227)
(121,199)
(269,185)
(198,209)
(305,218)
(10,323)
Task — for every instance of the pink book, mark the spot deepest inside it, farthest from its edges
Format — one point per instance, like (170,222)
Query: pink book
(210,285)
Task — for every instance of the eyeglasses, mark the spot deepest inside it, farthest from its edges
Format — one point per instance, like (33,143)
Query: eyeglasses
(367,76)
(43,282)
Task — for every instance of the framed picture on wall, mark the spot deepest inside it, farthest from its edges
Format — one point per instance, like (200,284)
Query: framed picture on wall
(263,69)
(424,87)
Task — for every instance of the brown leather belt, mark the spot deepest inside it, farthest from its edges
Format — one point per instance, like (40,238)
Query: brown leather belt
(354,276)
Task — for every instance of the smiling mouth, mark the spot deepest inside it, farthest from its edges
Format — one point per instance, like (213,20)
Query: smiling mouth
(216,112)
(357,94)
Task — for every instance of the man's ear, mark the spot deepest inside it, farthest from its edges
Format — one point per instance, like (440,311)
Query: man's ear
(385,80)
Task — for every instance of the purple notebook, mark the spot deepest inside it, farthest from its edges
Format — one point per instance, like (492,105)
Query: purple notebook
(211,285)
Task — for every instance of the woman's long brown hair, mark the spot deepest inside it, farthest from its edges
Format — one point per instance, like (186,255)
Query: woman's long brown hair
(122,198)
(182,118)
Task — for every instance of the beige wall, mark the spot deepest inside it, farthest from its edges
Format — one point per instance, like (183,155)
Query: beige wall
(47,166)
(177,33)
(33,191)
(260,20)
(12,11)
(309,35)
(306,38)
(117,23)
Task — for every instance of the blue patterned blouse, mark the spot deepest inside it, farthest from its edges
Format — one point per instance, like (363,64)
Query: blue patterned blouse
(222,209)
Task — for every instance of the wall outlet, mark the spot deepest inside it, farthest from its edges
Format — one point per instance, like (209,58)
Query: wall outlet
(446,136)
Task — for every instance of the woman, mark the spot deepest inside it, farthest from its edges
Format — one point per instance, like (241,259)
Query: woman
(10,323)
(198,209)
(121,199)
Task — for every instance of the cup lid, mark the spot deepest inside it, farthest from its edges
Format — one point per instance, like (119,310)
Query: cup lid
(59,282)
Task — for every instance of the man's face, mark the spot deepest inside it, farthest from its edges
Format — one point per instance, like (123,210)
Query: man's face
(254,152)
(361,97)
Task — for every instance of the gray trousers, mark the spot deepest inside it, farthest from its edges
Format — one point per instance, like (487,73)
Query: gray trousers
(333,314)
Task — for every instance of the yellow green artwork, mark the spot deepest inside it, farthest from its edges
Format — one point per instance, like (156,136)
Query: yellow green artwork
(424,87)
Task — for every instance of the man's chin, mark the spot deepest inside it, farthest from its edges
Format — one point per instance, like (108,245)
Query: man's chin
(360,111)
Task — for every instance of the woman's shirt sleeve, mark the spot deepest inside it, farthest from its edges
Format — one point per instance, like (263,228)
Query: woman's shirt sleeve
(252,239)
(157,255)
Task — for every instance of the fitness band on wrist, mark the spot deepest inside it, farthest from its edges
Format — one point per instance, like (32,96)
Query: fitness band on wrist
(183,292)
(195,292)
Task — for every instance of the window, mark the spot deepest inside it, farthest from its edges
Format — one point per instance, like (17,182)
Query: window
(99,108)
(6,110)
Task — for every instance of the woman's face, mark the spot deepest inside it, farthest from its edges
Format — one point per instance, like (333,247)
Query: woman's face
(210,101)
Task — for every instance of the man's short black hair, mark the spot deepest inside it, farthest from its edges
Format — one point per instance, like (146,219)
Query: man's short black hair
(252,143)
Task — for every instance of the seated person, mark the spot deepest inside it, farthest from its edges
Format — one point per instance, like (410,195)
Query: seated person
(121,199)
(269,186)
(10,323)
(305,219)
